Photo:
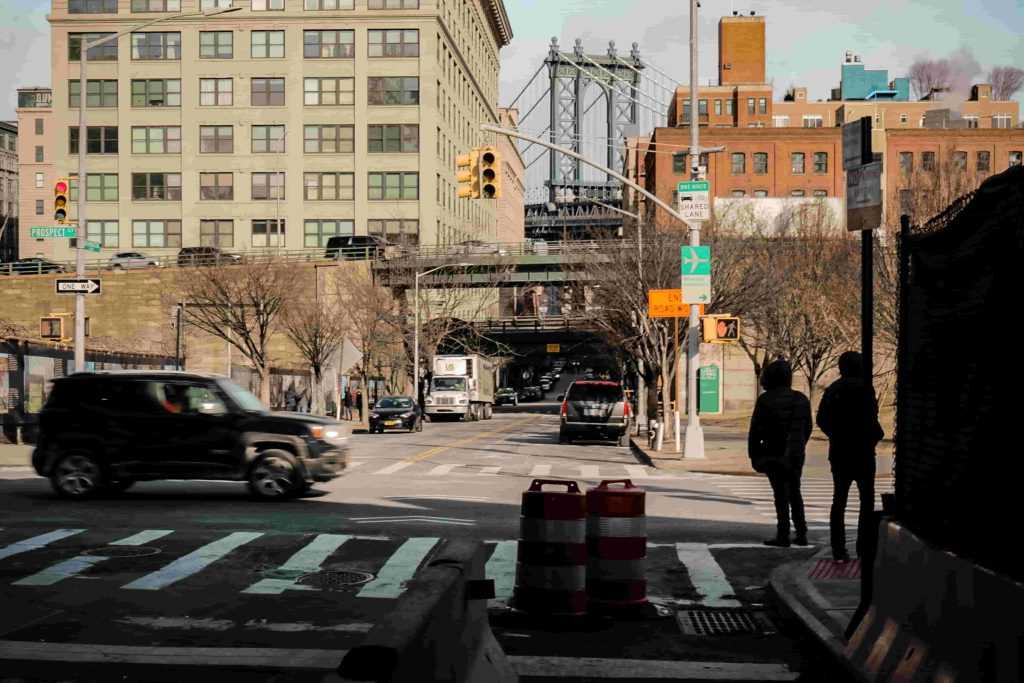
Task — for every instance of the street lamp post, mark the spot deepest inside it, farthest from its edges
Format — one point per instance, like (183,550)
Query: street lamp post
(83,99)
(416,332)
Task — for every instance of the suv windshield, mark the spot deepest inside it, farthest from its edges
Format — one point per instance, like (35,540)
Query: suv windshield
(245,399)
(449,384)
(595,393)
(394,403)
(505,392)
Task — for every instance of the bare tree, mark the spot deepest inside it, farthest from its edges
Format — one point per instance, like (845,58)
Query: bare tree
(1006,81)
(240,305)
(317,328)
(930,75)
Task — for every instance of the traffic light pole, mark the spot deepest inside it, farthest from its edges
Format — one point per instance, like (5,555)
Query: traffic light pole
(694,445)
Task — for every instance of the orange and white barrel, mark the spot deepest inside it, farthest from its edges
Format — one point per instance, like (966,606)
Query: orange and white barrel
(616,546)
(552,553)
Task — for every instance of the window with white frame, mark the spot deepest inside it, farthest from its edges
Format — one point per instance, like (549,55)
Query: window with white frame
(156,45)
(329,44)
(156,233)
(329,139)
(329,91)
(780,121)
(268,232)
(1002,121)
(267,44)
(216,45)
(156,139)
(216,92)
(328,186)
(268,139)
(40,180)
(316,231)
(393,186)
(393,43)
(105,232)
(812,121)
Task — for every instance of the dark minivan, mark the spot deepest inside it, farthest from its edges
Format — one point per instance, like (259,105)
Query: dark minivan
(102,432)
(354,247)
(594,408)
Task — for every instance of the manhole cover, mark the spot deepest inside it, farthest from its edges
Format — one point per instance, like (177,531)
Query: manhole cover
(332,579)
(706,622)
(122,551)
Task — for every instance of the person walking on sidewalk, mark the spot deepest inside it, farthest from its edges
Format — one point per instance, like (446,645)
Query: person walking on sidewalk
(776,444)
(848,415)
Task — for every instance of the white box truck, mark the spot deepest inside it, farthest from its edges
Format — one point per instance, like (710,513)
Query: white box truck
(462,386)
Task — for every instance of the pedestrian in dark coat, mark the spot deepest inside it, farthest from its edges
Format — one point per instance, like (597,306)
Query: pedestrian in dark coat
(779,430)
(348,403)
(848,415)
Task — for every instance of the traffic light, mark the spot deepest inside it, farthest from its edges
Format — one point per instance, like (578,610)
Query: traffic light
(60,200)
(467,173)
(490,173)
(720,329)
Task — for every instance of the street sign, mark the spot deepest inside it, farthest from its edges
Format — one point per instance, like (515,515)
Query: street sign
(695,275)
(694,200)
(85,285)
(667,303)
(857,143)
(709,389)
(864,197)
(92,246)
(47,232)
(554,348)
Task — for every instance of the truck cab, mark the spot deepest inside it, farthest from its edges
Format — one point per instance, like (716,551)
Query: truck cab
(461,387)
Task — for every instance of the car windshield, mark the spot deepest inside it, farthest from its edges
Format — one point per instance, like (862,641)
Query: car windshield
(243,397)
(449,384)
(394,403)
(595,393)
(505,392)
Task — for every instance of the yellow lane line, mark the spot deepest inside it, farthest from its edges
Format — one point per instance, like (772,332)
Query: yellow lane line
(430,452)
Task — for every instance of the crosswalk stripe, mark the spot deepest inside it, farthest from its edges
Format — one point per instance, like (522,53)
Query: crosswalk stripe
(391,469)
(443,469)
(76,565)
(590,472)
(502,568)
(193,562)
(399,568)
(37,542)
(143,537)
(306,561)
(540,471)
(354,464)
(494,469)
(641,472)
(706,575)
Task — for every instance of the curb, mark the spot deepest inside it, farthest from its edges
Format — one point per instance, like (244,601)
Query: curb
(643,458)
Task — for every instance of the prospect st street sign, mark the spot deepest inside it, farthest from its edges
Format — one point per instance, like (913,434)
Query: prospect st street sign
(695,274)
(49,232)
(90,285)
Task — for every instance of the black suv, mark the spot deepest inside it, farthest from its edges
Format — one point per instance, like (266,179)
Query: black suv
(594,408)
(206,256)
(101,432)
(354,247)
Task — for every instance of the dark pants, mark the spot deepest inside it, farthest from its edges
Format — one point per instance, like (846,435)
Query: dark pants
(843,475)
(786,489)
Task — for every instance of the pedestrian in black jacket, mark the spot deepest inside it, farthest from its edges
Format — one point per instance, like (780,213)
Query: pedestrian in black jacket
(779,430)
(848,415)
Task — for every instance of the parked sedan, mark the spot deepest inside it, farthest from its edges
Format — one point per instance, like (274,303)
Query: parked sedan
(33,265)
(131,259)
(531,393)
(396,412)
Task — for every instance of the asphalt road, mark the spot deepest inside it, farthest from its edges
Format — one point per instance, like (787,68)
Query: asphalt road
(201,564)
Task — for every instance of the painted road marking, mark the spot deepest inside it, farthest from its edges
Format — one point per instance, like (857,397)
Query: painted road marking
(706,575)
(76,565)
(192,563)
(391,469)
(419,519)
(399,568)
(306,561)
(540,471)
(641,472)
(502,568)
(143,537)
(355,464)
(489,471)
(37,542)
(430,452)
(443,469)
(590,472)
(647,669)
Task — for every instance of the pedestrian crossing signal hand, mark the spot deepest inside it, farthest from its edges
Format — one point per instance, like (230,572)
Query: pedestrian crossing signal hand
(720,329)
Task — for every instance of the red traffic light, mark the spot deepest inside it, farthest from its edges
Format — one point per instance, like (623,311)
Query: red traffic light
(61,187)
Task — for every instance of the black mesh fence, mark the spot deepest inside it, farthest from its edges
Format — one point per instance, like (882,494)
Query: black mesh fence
(960,412)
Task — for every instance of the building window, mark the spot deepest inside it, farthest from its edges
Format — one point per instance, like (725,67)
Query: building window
(103,53)
(728,107)
(101,187)
(156,93)
(156,139)
(812,121)
(738,193)
(317,232)
(156,233)
(702,107)
(39,153)
(960,161)
(39,126)
(215,4)
(97,93)
(267,5)
(971,121)
(104,232)
(762,105)
(685,119)
(1002,121)
(94,6)
(328,186)
(394,90)
(99,140)
(40,180)
(903,119)
(329,91)
(216,45)
(796,163)
(797,193)
(394,138)
(718,107)
(216,233)
(40,207)
(679,162)
(393,4)
(156,45)
(267,92)
(760,163)
(983,161)
(216,139)
(267,44)
(393,231)
(156,187)
(394,186)
(268,232)
(906,198)
(329,44)
(329,139)
(780,121)
(156,5)
(394,43)
(907,162)
(51,328)
(750,105)
(927,161)
(267,186)
(313,5)
(820,193)
(267,139)
(1016,158)
(760,194)
(739,163)
(216,92)
(216,186)
(821,162)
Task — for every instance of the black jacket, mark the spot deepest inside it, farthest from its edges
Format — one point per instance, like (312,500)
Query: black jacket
(848,415)
(779,429)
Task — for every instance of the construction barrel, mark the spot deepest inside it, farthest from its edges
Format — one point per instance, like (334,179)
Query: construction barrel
(616,547)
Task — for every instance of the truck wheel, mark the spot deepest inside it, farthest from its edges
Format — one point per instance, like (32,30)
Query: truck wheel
(273,476)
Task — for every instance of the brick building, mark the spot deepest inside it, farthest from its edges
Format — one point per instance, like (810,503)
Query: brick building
(8,191)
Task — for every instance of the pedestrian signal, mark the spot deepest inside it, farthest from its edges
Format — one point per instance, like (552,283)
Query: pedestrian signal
(60,200)
(720,329)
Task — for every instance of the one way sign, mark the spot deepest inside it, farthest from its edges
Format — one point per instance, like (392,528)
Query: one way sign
(88,285)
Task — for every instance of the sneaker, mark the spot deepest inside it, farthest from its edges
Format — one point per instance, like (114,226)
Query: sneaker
(800,540)
(840,556)
(778,542)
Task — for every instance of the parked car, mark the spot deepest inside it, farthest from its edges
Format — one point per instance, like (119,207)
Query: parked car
(545,385)
(531,393)
(354,247)
(479,247)
(103,431)
(536,246)
(206,256)
(131,259)
(396,412)
(33,265)
(594,409)
(506,396)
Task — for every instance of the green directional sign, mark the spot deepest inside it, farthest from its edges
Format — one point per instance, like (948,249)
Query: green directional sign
(47,232)
(696,261)
(695,275)
(709,389)
(693,186)
(92,246)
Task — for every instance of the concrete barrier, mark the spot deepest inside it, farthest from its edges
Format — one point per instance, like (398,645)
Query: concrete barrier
(438,630)
(937,617)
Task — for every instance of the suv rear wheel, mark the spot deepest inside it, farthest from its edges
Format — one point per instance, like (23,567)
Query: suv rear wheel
(273,476)
(77,475)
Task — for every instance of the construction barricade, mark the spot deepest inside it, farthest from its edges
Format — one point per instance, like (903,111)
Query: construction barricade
(616,547)
(552,554)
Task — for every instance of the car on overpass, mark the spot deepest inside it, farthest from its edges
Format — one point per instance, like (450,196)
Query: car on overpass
(32,265)
(128,260)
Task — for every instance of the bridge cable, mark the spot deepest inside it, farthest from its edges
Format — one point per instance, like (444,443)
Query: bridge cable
(528,84)
(620,78)
(625,96)
(535,105)
(629,66)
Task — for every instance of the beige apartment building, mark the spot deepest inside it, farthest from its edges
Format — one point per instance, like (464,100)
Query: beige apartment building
(275,126)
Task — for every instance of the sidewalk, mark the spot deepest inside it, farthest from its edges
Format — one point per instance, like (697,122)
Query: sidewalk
(12,455)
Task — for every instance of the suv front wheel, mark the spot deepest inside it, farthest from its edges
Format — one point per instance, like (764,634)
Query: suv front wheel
(77,475)
(273,476)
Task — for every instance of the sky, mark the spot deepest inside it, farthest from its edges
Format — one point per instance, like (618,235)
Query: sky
(806,38)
